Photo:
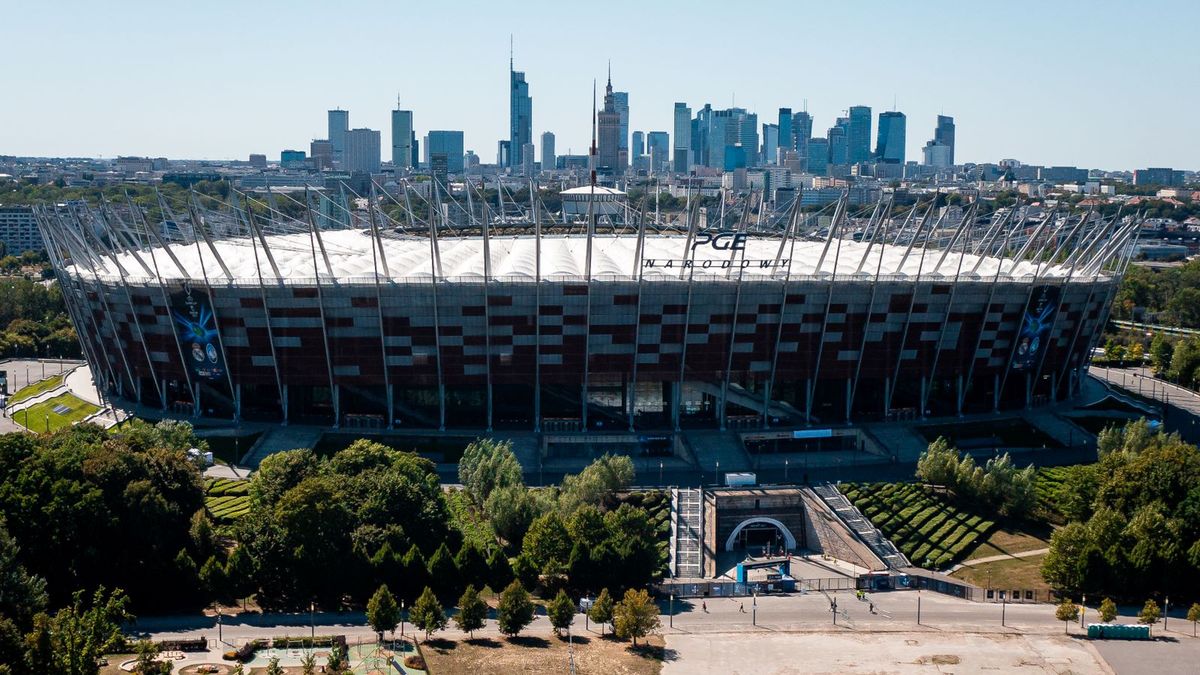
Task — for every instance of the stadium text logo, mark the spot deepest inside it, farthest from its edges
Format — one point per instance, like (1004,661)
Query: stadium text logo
(714,264)
(722,241)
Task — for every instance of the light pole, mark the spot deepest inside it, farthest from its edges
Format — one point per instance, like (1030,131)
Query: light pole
(754,610)
(1082,610)
(1166,611)
(219,637)
(671,613)
(312,622)
(402,620)
(785,469)
(660,472)
(716,473)
(1003,606)
(918,607)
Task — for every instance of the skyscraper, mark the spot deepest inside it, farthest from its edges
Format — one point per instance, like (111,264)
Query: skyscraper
(801,132)
(770,143)
(339,124)
(818,156)
(786,140)
(547,151)
(362,154)
(839,153)
(449,143)
(320,151)
(858,135)
(683,138)
(638,146)
(402,139)
(889,147)
(527,160)
(608,142)
(621,99)
(943,134)
(659,146)
(520,115)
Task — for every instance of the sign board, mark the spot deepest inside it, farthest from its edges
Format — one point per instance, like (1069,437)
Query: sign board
(197,329)
(813,433)
(1033,335)
(740,479)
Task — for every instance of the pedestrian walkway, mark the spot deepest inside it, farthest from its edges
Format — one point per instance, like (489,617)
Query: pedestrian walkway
(687,527)
(998,558)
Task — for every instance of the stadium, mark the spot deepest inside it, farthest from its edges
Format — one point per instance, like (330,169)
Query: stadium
(345,313)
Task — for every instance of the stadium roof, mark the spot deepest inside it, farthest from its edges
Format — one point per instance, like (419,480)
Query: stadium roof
(513,258)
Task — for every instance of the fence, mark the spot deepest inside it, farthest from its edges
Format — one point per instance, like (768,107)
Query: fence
(683,588)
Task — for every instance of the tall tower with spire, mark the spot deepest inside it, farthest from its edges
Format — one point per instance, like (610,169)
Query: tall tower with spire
(608,131)
(520,112)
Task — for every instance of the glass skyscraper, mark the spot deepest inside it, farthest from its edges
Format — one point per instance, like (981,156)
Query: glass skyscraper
(858,135)
(520,115)
(889,147)
(402,139)
(682,158)
(944,134)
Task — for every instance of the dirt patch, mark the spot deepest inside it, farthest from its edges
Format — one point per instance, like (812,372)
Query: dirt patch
(940,660)
(592,654)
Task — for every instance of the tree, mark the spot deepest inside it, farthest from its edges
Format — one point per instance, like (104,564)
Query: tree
(1150,613)
(938,465)
(472,566)
(635,616)
(1160,354)
(561,611)
(601,610)
(83,631)
(597,482)
(239,574)
(427,613)
(547,541)
(500,573)
(336,661)
(212,578)
(1066,612)
(472,612)
(487,466)
(147,659)
(382,611)
(273,667)
(1108,610)
(515,610)
(444,574)
(308,664)
(511,510)
(1193,615)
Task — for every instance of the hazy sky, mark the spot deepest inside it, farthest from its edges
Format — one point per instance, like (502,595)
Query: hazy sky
(1097,84)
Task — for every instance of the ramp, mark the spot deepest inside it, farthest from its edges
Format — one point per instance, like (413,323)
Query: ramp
(687,527)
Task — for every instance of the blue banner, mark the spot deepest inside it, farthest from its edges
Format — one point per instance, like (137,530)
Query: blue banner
(197,329)
(1033,333)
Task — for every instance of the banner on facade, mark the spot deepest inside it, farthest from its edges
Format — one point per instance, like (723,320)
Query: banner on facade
(197,330)
(1033,334)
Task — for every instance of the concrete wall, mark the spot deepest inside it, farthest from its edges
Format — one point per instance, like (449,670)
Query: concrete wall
(827,534)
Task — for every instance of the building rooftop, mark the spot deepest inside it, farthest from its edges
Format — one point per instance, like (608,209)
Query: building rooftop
(515,258)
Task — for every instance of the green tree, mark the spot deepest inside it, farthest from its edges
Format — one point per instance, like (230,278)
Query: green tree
(472,612)
(416,573)
(1065,565)
(515,610)
(1108,610)
(83,631)
(511,509)
(487,466)
(472,566)
(1193,615)
(336,661)
(1150,613)
(239,574)
(500,573)
(635,616)
(1066,612)
(273,667)
(383,614)
(213,580)
(1160,354)
(308,664)
(427,613)
(444,574)
(938,464)
(601,610)
(561,612)
(547,541)
(597,482)
(147,659)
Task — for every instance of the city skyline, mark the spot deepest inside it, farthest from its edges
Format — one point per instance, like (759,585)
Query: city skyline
(208,103)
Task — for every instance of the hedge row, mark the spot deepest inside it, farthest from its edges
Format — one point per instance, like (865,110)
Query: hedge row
(921,523)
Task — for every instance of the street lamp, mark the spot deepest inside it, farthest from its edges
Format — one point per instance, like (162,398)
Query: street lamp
(716,473)
(785,469)
(671,613)
(660,472)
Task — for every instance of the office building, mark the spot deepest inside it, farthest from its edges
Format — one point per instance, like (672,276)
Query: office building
(449,143)
(838,148)
(339,124)
(786,140)
(608,132)
(292,159)
(889,147)
(258,161)
(801,132)
(770,143)
(19,230)
(520,116)
(638,144)
(682,156)
(1158,176)
(621,100)
(936,155)
(362,153)
(503,154)
(943,134)
(548,160)
(658,145)
(402,140)
(817,161)
(528,160)
(858,135)
(320,151)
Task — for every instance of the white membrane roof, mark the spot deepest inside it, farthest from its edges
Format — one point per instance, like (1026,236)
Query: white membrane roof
(514,258)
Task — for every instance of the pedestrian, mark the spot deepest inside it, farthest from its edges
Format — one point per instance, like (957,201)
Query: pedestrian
(704,606)
(871,606)
(742,607)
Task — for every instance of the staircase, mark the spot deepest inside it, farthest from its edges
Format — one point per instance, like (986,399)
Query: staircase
(279,439)
(862,528)
(687,528)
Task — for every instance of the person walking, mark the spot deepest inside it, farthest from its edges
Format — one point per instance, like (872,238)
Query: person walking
(742,607)
(704,606)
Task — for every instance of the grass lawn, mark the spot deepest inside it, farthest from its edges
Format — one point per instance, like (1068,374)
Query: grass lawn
(35,389)
(75,409)
(542,655)
(1012,539)
(925,525)
(1011,573)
